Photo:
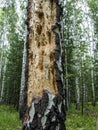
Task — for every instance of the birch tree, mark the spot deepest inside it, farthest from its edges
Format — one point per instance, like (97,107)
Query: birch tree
(44,81)
(76,59)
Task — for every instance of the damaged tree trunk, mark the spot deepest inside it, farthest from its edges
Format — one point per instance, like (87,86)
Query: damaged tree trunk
(44,98)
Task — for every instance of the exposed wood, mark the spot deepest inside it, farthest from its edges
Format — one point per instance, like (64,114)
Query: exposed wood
(45,94)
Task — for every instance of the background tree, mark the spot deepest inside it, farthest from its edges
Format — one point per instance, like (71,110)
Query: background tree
(13,39)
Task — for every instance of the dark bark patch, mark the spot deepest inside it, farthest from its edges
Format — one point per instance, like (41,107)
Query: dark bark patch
(39,29)
(47,113)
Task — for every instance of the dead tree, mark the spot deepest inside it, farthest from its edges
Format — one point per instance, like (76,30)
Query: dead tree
(44,95)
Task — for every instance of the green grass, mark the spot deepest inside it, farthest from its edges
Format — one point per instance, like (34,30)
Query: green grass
(9,118)
(88,121)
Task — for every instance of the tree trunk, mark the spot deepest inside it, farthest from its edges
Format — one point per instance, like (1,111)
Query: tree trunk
(67,89)
(23,80)
(3,82)
(76,60)
(93,88)
(45,95)
(92,74)
(77,94)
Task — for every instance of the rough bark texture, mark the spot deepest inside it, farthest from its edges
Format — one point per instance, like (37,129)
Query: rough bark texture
(45,108)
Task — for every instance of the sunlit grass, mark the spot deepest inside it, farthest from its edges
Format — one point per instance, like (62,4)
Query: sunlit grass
(77,121)
(9,118)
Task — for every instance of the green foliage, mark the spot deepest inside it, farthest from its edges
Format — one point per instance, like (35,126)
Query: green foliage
(2,16)
(14,64)
(78,47)
(13,55)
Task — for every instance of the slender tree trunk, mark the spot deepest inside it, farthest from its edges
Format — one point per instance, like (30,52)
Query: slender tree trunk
(0,65)
(22,99)
(76,61)
(1,72)
(3,82)
(93,88)
(82,87)
(69,97)
(77,94)
(1,62)
(92,76)
(45,101)
(3,67)
(67,89)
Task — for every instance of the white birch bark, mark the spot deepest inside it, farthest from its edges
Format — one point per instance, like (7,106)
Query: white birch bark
(3,82)
(1,60)
(4,41)
(21,99)
(76,61)
(93,87)
(77,93)
(67,89)
(92,71)
(84,88)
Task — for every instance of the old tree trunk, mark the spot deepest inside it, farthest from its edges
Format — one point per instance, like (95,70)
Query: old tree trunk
(44,101)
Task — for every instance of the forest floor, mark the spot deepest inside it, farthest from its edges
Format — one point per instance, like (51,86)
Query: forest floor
(9,118)
(88,121)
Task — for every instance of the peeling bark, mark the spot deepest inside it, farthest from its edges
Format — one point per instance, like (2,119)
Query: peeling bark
(45,95)
(45,113)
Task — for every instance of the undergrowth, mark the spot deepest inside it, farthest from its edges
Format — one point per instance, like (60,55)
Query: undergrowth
(88,121)
(9,118)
